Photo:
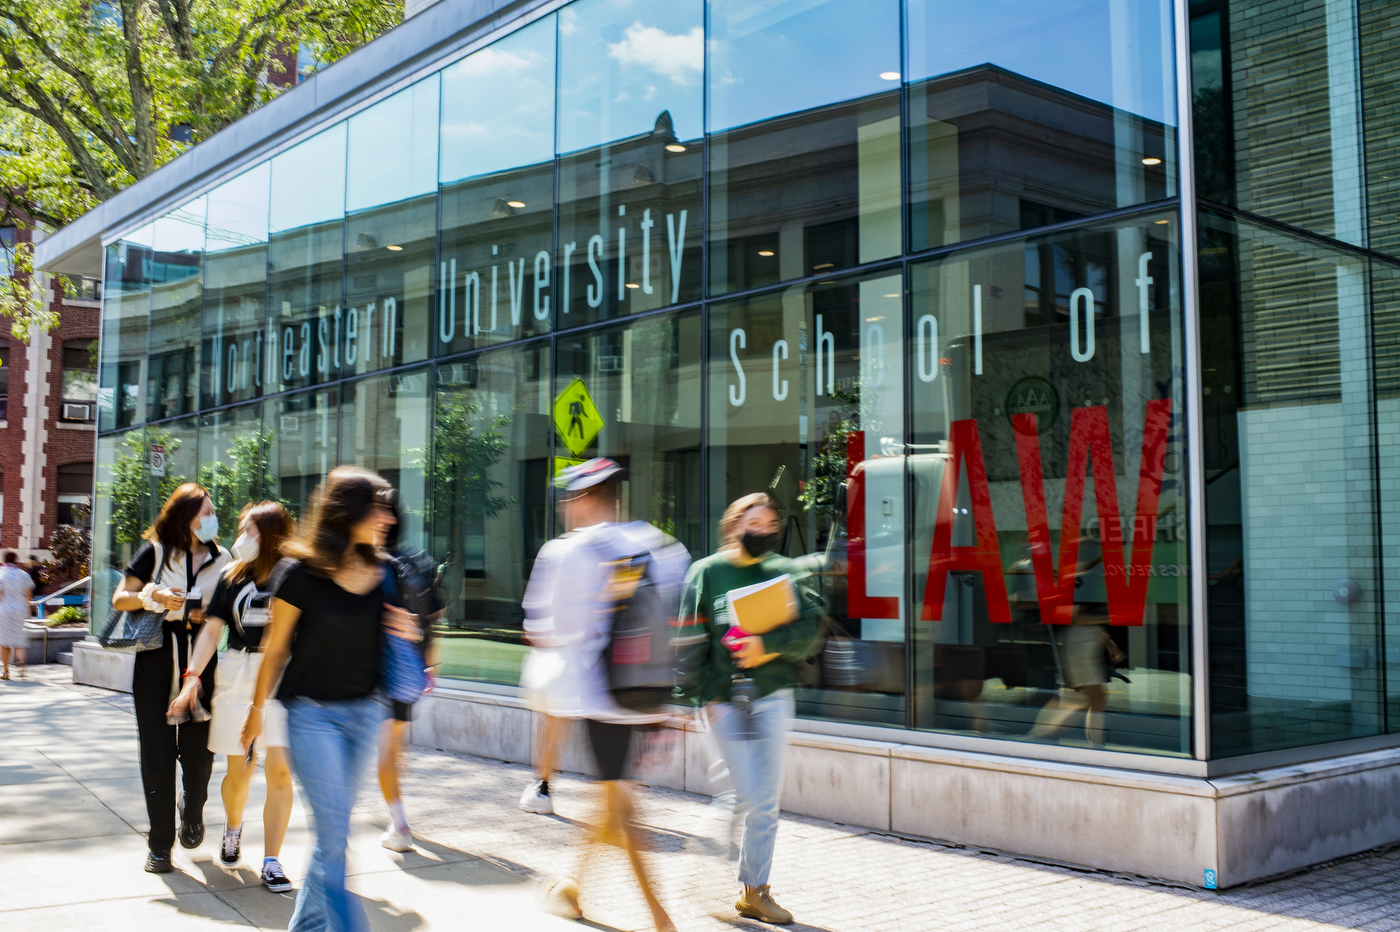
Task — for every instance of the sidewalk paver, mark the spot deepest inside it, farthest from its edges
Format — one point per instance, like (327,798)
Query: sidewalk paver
(71,815)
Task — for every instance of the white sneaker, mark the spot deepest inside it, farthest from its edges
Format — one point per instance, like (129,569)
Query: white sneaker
(396,840)
(536,798)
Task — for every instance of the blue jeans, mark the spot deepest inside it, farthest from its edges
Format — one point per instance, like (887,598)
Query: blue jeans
(756,771)
(331,743)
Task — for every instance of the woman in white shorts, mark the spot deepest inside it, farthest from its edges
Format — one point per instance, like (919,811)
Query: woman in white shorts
(240,604)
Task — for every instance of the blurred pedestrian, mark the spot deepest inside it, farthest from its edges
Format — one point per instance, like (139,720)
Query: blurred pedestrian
(538,675)
(417,592)
(241,604)
(329,612)
(568,599)
(16,588)
(176,572)
(745,682)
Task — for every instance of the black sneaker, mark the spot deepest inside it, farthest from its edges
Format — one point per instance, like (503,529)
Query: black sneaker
(158,862)
(273,877)
(191,832)
(229,850)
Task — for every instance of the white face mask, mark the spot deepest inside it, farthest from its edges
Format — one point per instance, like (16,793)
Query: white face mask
(245,548)
(208,528)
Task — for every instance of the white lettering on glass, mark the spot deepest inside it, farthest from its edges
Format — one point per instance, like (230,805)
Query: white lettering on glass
(677,245)
(780,393)
(977,329)
(737,341)
(232,364)
(928,351)
(335,344)
(391,323)
(541,283)
(826,341)
(568,251)
(595,295)
(1081,299)
(257,377)
(447,302)
(621,256)
(646,225)
(352,333)
(322,357)
(1143,281)
(369,329)
(515,278)
(471,303)
(874,354)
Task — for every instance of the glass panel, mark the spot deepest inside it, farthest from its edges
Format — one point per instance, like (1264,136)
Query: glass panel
(1380,98)
(235,289)
(1050,612)
(388,286)
(126,329)
(490,504)
(1385,303)
(769,58)
(409,120)
(629,192)
(644,381)
(497,205)
(172,459)
(807,402)
(123,482)
(384,427)
(304,429)
(805,195)
(1286,350)
(1282,95)
(1022,116)
(176,311)
(235,463)
(306,248)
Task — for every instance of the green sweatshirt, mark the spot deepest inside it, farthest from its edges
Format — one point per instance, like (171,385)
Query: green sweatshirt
(706,665)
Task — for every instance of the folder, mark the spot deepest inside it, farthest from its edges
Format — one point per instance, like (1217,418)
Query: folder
(764,606)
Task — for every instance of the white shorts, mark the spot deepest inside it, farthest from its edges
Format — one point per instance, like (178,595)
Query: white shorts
(234,679)
(538,674)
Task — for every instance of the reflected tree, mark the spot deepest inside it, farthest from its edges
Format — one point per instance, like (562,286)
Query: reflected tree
(244,475)
(132,483)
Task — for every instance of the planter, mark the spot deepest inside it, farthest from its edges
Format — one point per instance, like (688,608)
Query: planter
(45,644)
(95,666)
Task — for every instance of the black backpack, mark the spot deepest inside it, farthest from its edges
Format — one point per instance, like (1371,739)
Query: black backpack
(638,657)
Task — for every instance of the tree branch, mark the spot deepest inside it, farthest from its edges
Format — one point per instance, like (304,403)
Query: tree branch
(244,31)
(122,153)
(142,94)
(48,112)
(84,81)
(176,14)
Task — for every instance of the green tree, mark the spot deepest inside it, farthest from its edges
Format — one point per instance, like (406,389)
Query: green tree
(95,96)
(71,547)
(243,475)
(464,450)
(132,484)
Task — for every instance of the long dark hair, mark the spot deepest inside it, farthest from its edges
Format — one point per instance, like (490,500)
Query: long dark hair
(344,499)
(172,526)
(275,525)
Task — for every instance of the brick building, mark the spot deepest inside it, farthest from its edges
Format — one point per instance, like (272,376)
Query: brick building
(48,410)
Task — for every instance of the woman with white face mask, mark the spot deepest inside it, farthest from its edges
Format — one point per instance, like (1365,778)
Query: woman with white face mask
(241,605)
(174,574)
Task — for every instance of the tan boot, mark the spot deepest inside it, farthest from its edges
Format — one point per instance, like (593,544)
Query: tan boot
(757,903)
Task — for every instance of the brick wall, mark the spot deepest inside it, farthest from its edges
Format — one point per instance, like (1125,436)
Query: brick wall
(65,443)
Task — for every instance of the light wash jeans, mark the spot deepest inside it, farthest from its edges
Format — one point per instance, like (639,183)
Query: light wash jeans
(331,743)
(756,771)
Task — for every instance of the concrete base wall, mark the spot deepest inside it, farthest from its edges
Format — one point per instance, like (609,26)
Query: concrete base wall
(93,665)
(1239,828)
(57,641)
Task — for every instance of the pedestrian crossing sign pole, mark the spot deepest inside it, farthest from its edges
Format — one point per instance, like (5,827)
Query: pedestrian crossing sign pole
(576,418)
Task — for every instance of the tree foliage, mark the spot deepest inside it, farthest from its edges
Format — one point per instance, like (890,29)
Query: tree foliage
(71,547)
(244,475)
(98,95)
(464,450)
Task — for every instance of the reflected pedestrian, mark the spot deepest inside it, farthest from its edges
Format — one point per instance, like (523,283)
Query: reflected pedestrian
(745,682)
(241,604)
(176,572)
(329,612)
(418,593)
(568,601)
(16,589)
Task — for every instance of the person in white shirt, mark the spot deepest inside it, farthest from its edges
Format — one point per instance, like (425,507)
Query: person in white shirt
(568,615)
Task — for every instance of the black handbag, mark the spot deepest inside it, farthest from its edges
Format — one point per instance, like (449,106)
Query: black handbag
(137,630)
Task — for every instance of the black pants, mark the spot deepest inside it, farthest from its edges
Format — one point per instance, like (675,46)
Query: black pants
(162,745)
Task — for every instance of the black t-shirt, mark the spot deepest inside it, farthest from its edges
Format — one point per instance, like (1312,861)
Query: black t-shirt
(221,606)
(335,647)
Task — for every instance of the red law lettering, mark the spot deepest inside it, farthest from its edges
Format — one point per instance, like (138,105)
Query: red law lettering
(965,445)
(1090,442)
(858,603)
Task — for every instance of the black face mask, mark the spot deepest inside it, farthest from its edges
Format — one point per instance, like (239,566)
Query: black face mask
(757,544)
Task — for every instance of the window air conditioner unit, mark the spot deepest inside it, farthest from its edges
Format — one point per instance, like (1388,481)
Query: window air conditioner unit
(72,412)
(288,422)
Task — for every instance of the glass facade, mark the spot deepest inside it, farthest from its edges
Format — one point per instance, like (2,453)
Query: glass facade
(918,268)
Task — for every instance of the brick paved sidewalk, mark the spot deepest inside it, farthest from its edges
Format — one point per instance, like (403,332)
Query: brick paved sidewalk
(834,878)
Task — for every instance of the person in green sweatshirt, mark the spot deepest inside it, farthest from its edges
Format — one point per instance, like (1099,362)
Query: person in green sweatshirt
(744,682)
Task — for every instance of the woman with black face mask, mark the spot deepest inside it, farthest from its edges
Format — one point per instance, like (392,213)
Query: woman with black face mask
(744,680)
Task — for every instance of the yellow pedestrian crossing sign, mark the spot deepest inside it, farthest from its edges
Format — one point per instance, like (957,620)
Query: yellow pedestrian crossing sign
(576,418)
